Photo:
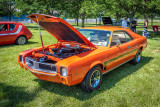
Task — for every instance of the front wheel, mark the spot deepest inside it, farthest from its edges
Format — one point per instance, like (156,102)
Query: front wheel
(92,80)
(137,58)
(21,40)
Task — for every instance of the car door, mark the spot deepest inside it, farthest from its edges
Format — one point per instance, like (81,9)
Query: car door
(120,49)
(7,33)
(126,46)
(132,43)
(13,31)
(4,31)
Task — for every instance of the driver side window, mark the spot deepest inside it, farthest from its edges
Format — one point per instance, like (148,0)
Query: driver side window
(3,27)
(120,37)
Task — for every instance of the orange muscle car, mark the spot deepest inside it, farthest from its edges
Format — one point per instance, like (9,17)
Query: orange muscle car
(81,56)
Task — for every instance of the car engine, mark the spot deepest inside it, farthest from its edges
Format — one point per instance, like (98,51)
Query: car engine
(63,52)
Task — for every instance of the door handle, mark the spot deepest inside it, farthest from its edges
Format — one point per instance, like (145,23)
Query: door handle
(128,46)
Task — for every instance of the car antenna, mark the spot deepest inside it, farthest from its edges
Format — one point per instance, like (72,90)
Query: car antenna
(40,36)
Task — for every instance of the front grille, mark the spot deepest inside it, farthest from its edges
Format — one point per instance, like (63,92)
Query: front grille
(38,66)
(48,67)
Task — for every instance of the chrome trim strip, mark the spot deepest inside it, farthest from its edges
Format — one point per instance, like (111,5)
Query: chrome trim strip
(117,66)
(18,30)
(39,73)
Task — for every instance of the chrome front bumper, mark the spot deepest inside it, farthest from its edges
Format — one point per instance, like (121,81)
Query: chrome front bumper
(40,66)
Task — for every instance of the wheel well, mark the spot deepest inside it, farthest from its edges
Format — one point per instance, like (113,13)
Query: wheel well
(20,36)
(141,48)
(100,66)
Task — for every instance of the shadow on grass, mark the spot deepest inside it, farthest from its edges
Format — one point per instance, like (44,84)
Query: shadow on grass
(13,45)
(12,95)
(109,80)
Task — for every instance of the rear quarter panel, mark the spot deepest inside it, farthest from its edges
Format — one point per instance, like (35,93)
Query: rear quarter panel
(24,31)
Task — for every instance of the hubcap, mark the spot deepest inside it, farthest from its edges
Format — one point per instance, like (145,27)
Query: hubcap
(22,40)
(95,79)
(138,56)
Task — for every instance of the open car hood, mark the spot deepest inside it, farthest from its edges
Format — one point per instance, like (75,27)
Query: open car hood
(60,29)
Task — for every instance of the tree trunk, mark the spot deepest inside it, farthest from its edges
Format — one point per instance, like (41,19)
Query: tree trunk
(152,21)
(131,18)
(86,20)
(77,20)
(10,16)
(100,20)
(83,19)
(96,20)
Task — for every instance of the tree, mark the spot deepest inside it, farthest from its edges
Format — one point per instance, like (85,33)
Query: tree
(72,7)
(7,8)
(130,6)
(116,12)
(150,9)
(92,9)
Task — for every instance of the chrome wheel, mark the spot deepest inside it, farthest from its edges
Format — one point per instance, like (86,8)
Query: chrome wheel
(95,79)
(92,80)
(137,58)
(22,40)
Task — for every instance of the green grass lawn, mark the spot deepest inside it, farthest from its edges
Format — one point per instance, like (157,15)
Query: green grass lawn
(127,85)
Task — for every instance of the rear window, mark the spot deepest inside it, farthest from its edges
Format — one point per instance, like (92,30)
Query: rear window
(12,26)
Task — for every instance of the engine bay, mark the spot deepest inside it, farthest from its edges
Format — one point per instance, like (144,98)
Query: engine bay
(67,51)
(56,53)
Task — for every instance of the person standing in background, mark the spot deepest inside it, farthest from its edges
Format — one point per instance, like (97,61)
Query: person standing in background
(124,22)
(133,25)
(145,27)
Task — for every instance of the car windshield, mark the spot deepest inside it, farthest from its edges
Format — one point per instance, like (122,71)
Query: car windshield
(97,37)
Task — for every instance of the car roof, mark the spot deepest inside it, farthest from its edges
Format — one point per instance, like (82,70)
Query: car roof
(110,28)
(8,22)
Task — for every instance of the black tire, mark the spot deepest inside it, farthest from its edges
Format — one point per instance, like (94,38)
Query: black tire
(91,81)
(137,57)
(21,40)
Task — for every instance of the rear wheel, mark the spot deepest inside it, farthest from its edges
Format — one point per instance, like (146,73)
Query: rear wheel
(21,40)
(137,58)
(92,80)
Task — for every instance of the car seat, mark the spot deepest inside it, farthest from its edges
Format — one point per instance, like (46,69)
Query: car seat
(115,40)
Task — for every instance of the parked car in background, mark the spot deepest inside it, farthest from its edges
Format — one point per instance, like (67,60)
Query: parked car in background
(14,32)
(74,59)
(107,21)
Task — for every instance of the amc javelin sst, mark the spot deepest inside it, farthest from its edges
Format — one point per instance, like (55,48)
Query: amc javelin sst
(81,56)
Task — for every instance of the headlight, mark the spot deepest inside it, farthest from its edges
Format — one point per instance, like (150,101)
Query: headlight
(20,58)
(63,71)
